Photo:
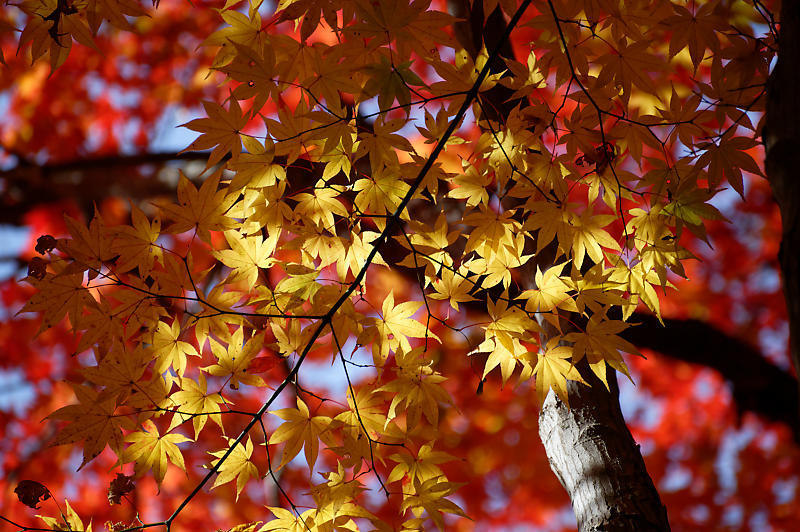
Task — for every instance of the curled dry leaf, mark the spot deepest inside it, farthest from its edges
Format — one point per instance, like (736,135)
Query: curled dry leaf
(45,243)
(119,487)
(31,493)
(37,268)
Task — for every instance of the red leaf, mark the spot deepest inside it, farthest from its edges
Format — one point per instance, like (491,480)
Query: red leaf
(263,364)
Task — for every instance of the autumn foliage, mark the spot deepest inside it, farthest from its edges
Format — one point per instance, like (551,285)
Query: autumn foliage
(405,232)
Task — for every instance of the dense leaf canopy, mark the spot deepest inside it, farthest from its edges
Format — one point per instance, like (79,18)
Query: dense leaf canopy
(396,228)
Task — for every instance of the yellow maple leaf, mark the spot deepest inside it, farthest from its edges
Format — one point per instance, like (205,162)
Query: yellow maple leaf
(218,315)
(551,292)
(390,82)
(93,420)
(629,64)
(320,206)
(551,220)
(422,466)
(245,527)
(150,450)
(588,237)
(137,307)
(203,210)
(54,35)
(430,496)
(358,248)
(193,401)
(429,247)
(497,267)
(256,169)
(500,355)
(119,371)
(300,430)
(290,131)
(236,466)
(98,323)
(379,194)
(503,336)
(453,286)
(90,246)
(331,74)
(492,232)
(398,323)
(594,289)
(436,127)
(381,144)
(410,25)
(69,521)
(509,322)
(290,336)
(417,386)
(151,395)
(221,131)
(169,350)
(601,344)
(286,521)
(246,255)
(334,501)
(338,158)
(254,67)
(640,284)
(242,28)
(136,244)
(727,159)
(525,79)
(553,368)
(300,284)
(366,414)
(460,77)
(317,243)
(232,362)
(697,31)
(471,186)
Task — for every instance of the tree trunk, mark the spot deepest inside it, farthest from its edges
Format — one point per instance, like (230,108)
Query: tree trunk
(595,458)
(781,137)
(589,446)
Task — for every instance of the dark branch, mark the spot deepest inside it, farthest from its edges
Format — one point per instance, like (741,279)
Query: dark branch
(87,182)
(756,384)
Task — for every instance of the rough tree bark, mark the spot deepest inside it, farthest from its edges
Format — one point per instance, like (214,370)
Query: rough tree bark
(596,459)
(781,135)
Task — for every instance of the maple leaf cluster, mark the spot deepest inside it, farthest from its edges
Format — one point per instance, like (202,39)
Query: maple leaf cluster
(567,210)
